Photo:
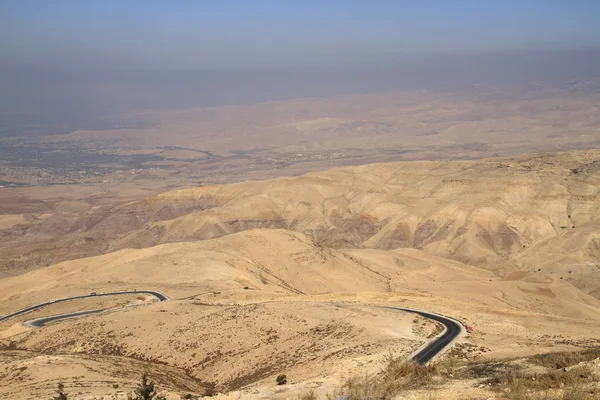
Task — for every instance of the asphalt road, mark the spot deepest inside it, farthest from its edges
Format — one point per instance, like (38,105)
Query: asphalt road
(159,296)
(453,329)
(40,322)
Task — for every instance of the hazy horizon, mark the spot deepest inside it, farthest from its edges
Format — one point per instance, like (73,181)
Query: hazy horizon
(186,34)
(69,62)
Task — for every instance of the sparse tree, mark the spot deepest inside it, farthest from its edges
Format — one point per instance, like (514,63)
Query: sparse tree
(145,391)
(281,379)
(60,393)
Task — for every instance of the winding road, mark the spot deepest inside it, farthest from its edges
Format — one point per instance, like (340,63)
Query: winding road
(159,296)
(40,322)
(452,329)
(437,345)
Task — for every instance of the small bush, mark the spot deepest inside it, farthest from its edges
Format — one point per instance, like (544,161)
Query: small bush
(145,391)
(60,393)
(398,375)
(449,366)
(281,379)
(579,394)
(565,358)
(491,369)
(521,386)
(575,393)
(310,395)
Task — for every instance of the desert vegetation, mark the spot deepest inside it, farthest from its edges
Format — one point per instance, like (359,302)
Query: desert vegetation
(283,277)
(562,376)
(550,376)
(146,390)
(273,201)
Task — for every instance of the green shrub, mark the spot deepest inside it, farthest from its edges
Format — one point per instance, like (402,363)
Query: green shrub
(60,393)
(281,379)
(145,391)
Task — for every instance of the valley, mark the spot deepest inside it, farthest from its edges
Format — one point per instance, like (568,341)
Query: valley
(280,256)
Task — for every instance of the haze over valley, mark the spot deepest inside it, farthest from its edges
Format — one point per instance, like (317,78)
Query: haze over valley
(323,213)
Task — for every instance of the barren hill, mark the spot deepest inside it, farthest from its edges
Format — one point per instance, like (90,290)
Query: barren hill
(286,274)
(246,306)
(505,214)
(280,262)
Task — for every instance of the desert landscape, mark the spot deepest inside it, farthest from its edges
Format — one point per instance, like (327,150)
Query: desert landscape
(278,259)
(299,200)
(215,145)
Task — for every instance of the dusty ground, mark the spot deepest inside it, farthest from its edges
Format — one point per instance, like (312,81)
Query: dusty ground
(31,375)
(284,275)
(92,303)
(528,218)
(249,306)
(216,145)
(236,143)
(228,347)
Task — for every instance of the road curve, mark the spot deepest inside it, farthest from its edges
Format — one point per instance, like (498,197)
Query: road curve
(433,348)
(426,354)
(40,322)
(158,295)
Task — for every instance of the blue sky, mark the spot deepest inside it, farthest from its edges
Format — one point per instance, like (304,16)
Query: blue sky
(193,33)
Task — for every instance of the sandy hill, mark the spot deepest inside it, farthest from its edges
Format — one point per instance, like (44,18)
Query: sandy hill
(281,262)
(233,318)
(247,306)
(284,275)
(505,215)
(32,375)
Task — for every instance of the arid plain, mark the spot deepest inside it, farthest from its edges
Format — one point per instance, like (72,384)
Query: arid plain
(276,229)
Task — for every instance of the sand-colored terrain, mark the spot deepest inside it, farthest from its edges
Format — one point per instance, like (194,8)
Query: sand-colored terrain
(31,375)
(534,214)
(285,275)
(91,303)
(470,121)
(214,145)
(247,306)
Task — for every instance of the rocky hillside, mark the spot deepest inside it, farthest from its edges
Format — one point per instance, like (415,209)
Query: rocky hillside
(526,214)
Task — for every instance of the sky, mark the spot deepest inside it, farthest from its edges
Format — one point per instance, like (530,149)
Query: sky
(71,63)
(188,34)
